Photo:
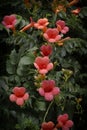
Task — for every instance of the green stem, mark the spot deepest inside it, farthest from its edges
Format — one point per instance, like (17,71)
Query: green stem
(47,111)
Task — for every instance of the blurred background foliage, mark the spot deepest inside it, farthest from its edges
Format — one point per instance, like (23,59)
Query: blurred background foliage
(16,65)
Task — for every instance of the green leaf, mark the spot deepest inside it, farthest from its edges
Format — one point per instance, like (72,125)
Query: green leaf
(1,27)
(40,105)
(32,49)
(20,70)
(13,57)
(19,19)
(3,83)
(26,60)
(83,12)
(62,15)
(10,68)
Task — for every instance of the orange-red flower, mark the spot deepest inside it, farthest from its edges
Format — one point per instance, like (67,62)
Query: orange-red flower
(72,2)
(62,27)
(48,126)
(60,8)
(9,21)
(19,95)
(52,35)
(43,64)
(76,11)
(48,89)
(41,23)
(31,24)
(46,50)
(64,122)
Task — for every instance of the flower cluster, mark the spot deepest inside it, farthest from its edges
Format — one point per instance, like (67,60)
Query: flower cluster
(52,34)
(43,65)
(63,122)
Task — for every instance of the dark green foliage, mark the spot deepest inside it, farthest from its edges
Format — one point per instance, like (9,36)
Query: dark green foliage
(17,54)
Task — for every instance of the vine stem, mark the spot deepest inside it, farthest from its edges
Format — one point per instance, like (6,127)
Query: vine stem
(47,110)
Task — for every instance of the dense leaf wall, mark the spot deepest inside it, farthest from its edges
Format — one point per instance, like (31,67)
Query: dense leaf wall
(16,65)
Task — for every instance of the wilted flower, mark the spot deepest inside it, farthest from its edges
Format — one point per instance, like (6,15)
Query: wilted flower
(48,89)
(46,50)
(19,95)
(9,21)
(52,35)
(43,64)
(64,122)
(62,27)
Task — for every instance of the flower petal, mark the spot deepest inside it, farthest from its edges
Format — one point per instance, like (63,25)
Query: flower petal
(48,96)
(20,101)
(12,98)
(36,66)
(65,128)
(56,91)
(43,71)
(50,66)
(41,91)
(19,91)
(51,40)
(65,30)
(46,36)
(62,118)
(69,123)
(26,96)
(58,37)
